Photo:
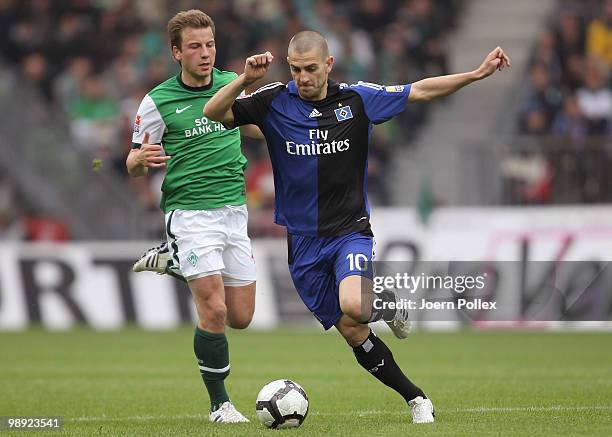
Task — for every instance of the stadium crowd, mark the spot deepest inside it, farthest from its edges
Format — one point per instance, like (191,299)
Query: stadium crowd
(94,60)
(567,110)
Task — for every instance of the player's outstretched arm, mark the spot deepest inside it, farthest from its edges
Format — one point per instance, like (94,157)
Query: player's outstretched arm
(440,86)
(219,108)
(147,156)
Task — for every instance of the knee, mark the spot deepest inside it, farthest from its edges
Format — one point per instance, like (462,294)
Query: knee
(240,321)
(215,312)
(352,308)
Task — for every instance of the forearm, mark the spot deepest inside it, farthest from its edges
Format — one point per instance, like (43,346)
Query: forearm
(434,87)
(219,107)
(134,167)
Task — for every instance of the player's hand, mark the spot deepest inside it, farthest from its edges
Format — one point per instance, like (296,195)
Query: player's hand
(496,60)
(150,155)
(256,67)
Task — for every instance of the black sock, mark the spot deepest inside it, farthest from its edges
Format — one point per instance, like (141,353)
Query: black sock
(376,358)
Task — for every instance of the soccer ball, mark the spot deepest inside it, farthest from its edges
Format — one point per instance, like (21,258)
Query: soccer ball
(282,404)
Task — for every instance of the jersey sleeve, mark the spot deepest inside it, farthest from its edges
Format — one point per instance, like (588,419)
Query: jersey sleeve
(148,119)
(253,108)
(382,102)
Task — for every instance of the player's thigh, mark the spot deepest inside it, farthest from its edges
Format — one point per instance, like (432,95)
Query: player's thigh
(240,303)
(353,270)
(356,297)
(197,241)
(311,270)
(239,264)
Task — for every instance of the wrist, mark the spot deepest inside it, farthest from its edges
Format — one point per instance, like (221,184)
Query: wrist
(246,82)
(477,74)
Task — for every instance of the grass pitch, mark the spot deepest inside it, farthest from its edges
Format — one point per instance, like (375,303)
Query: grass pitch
(134,382)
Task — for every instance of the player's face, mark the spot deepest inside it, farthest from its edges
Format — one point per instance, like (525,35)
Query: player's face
(197,53)
(310,71)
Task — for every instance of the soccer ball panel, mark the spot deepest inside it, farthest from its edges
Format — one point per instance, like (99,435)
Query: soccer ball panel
(292,403)
(282,404)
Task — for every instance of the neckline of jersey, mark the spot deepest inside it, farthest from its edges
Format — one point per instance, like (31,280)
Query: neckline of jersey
(196,88)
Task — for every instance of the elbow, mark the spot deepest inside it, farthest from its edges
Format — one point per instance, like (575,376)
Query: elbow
(419,95)
(207,112)
(210,114)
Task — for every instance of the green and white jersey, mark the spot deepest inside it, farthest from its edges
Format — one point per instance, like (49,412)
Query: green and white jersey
(206,170)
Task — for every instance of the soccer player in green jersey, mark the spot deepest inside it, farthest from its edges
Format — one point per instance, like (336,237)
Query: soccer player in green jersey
(203,197)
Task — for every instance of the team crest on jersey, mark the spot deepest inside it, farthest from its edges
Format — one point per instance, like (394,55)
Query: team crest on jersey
(192,258)
(343,113)
(137,124)
(394,88)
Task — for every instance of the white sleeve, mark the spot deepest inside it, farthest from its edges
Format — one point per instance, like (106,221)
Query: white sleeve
(148,119)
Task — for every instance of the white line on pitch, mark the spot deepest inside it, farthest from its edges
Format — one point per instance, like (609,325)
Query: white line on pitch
(361,413)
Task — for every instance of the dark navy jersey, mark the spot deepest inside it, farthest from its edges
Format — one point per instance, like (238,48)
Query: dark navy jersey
(319,151)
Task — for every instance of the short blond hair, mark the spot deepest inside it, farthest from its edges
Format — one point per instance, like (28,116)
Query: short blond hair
(192,18)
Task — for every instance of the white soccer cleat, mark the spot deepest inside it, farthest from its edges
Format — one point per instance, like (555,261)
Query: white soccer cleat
(157,259)
(422,410)
(400,325)
(227,413)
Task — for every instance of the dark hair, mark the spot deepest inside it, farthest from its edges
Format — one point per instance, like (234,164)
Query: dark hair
(307,40)
(192,18)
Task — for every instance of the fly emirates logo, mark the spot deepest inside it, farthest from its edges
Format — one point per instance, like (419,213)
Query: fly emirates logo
(319,144)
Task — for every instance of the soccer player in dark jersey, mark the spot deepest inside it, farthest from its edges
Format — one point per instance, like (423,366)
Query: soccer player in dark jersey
(317,133)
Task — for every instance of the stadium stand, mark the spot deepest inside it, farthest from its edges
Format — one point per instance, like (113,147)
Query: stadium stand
(565,117)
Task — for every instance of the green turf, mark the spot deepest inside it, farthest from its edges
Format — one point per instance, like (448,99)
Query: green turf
(147,383)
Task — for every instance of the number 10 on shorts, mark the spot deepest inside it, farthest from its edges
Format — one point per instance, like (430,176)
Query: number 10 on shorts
(357,261)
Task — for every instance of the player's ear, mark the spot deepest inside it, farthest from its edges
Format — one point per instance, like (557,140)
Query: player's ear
(176,53)
(329,62)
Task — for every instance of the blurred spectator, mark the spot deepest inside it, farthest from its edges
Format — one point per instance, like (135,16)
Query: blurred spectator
(595,99)
(570,122)
(542,103)
(599,35)
(545,54)
(94,117)
(35,69)
(568,96)
(529,177)
(68,84)
(570,36)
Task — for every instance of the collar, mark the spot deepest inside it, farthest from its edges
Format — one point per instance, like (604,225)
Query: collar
(196,88)
(332,89)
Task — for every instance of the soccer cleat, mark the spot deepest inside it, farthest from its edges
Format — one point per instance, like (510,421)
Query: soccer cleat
(227,413)
(422,410)
(157,259)
(400,325)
